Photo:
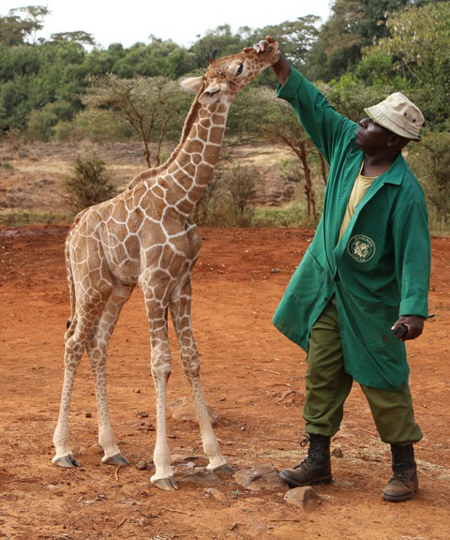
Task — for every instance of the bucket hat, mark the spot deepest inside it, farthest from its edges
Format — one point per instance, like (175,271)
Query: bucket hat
(398,114)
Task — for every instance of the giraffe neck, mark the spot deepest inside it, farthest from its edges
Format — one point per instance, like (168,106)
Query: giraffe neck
(195,158)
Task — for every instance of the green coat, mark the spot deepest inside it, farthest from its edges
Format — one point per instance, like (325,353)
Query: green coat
(379,269)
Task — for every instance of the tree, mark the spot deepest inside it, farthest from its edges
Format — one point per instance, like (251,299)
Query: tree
(14,29)
(353,24)
(280,125)
(415,57)
(222,39)
(154,107)
(78,37)
(430,161)
(295,38)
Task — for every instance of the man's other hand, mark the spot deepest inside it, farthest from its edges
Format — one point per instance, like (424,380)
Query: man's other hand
(414,323)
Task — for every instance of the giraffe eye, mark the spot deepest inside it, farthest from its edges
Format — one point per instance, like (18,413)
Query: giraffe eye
(240,69)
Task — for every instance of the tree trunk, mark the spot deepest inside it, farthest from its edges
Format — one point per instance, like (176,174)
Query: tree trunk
(323,168)
(309,188)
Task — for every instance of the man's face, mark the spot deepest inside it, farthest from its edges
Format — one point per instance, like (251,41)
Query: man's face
(370,136)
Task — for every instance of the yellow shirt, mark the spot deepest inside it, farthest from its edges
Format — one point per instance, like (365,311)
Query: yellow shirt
(360,187)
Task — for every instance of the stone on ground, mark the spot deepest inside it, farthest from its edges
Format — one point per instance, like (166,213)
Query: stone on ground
(183,409)
(260,477)
(196,475)
(301,496)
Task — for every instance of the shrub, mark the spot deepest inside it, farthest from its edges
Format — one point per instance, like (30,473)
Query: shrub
(430,161)
(41,122)
(89,183)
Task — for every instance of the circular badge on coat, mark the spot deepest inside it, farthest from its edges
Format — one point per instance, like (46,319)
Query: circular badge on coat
(361,248)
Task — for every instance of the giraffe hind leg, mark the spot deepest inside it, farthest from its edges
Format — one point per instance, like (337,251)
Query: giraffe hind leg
(74,348)
(86,317)
(97,348)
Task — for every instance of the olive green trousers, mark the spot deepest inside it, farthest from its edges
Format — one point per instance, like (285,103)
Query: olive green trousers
(328,385)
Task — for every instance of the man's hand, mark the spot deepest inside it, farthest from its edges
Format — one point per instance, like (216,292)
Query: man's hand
(281,68)
(414,323)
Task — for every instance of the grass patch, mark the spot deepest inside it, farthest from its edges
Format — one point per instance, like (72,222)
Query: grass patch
(20,219)
(293,215)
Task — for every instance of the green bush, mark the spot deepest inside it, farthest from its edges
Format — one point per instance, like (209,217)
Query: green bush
(89,184)
(41,122)
(430,161)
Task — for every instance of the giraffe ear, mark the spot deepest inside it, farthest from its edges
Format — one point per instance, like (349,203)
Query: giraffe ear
(192,84)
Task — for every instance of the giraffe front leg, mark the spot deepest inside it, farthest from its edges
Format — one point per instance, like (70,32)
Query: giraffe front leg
(161,362)
(181,315)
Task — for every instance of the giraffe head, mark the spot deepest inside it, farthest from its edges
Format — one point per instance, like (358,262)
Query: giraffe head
(225,77)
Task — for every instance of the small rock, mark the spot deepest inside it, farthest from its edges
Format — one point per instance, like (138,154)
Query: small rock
(144,521)
(142,414)
(137,391)
(88,415)
(276,271)
(301,496)
(197,475)
(261,477)
(215,494)
(183,409)
(142,466)
(101,498)
(180,458)
(337,452)
(95,449)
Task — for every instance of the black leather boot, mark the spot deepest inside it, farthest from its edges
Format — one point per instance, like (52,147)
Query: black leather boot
(316,468)
(403,483)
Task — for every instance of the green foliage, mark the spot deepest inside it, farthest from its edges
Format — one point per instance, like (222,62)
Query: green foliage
(16,29)
(89,183)
(295,37)
(95,124)
(159,58)
(430,161)
(416,58)
(241,183)
(353,25)
(350,96)
(292,215)
(41,122)
(154,107)
(222,39)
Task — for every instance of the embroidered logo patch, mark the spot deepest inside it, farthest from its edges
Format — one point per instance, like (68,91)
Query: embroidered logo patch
(361,248)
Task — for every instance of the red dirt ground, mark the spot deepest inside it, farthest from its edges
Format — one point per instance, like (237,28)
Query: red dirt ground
(247,366)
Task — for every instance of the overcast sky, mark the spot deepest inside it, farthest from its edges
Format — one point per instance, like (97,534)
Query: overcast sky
(183,21)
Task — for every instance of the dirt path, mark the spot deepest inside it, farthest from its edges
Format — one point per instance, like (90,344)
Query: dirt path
(247,368)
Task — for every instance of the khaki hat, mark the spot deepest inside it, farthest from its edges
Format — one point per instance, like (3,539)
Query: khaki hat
(399,115)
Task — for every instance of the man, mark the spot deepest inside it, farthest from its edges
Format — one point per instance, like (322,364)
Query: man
(364,276)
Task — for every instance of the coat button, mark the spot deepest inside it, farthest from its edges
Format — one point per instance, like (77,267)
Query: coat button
(326,299)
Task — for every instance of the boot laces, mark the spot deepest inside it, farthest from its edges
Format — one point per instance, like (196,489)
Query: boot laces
(312,453)
(399,470)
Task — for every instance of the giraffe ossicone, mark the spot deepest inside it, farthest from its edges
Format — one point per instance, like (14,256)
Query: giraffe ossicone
(145,236)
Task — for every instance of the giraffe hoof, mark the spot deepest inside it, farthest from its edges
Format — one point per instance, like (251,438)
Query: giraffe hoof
(118,459)
(224,469)
(68,462)
(167,484)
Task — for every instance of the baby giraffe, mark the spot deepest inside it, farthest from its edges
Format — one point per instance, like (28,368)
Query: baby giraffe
(145,236)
